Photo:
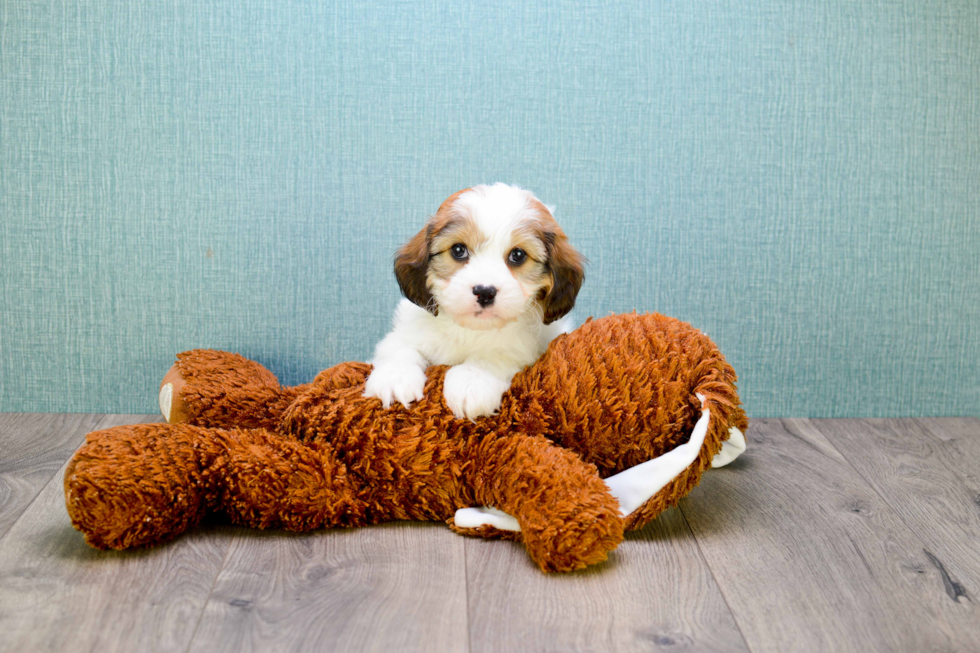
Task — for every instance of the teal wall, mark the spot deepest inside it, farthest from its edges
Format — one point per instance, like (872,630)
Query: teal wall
(801,180)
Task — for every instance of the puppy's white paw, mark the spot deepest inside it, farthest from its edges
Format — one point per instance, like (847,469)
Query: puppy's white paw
(391,383)
(472,391)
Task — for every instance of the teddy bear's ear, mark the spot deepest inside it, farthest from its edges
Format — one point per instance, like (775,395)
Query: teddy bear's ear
(411,267)
(567,269)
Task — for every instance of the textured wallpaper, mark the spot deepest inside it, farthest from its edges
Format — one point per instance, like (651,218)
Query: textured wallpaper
(800,180)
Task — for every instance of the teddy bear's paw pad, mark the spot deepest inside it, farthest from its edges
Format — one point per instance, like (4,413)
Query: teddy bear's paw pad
(166,399)
(475,527)
(731,448)
(474,518)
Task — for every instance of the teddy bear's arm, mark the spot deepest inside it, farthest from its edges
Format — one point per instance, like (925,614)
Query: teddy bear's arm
(567,517)
(632,487)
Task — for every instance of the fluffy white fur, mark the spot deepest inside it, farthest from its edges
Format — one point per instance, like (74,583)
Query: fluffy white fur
(483,360)
(486,345)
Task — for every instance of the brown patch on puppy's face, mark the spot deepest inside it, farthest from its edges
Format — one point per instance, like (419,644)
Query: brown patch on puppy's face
(413,259)
(531,272)
(445,256)
(411,262)
(566,267)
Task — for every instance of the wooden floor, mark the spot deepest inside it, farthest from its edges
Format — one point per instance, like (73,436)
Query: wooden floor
(832,535)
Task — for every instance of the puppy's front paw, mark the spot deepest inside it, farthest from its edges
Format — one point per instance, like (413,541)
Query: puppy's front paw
(472,391)
(401,383)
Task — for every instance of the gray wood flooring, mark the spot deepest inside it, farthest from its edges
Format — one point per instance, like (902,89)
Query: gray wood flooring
(827,535)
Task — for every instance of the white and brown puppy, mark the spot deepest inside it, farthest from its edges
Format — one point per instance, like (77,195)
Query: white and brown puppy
(486,282)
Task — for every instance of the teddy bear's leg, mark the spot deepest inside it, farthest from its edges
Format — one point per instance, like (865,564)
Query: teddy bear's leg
(219,389)
(567,518)
(272,481)
(141,484)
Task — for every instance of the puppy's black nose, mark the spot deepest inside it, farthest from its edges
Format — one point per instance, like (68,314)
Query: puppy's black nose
(484,295)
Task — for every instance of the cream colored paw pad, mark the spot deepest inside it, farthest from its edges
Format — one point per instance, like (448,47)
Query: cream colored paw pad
(485,516)
(166,399)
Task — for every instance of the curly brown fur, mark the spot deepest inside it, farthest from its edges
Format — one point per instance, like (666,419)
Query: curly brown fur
(616,392)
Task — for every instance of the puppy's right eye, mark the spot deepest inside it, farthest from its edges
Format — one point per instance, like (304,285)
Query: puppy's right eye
(459,252)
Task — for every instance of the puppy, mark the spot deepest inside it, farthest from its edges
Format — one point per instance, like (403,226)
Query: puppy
(486,285)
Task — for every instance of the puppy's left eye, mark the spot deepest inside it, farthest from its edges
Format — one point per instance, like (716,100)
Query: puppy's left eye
(459,252)
(517,256)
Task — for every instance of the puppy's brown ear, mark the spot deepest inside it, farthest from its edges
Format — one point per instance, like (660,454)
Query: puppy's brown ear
(411,266)
(567,269)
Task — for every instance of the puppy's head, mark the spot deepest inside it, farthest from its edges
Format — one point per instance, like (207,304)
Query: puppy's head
(488,255)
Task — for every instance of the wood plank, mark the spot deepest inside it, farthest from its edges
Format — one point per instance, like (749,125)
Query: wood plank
(960,438)
(811,558)
(655,592)
(964,432)
(926,470)
(33,447)
(59,594)
(392,587)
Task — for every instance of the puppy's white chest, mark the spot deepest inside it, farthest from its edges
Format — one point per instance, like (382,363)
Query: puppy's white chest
(514,345)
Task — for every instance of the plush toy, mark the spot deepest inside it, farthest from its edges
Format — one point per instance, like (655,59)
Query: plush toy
(614,424)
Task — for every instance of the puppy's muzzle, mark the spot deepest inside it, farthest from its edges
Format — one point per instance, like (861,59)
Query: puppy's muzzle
(484,295)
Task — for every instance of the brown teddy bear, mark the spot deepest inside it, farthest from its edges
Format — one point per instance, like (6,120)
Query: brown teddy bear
(614,424)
